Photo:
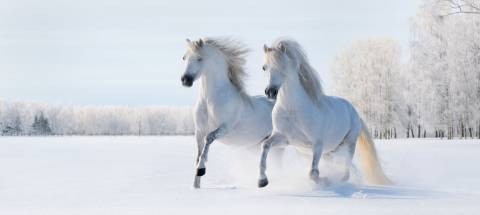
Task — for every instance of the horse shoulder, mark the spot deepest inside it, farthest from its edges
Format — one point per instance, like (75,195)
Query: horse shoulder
(222,110)
(281,118)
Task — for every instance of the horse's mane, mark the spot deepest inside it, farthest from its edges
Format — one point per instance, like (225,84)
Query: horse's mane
(307,75)
(235,53)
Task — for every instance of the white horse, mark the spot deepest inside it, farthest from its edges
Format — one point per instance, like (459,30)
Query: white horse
(306,118)
(224,111)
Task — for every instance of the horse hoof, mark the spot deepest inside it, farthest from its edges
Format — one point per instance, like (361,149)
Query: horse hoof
(201,171)
(196,182)
(262,182)
(322,181)
(345,177)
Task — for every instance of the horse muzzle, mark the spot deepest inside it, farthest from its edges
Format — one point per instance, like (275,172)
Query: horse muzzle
(187,80)
(271,92)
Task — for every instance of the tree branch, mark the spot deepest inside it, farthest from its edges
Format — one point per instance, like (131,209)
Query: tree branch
(461,7)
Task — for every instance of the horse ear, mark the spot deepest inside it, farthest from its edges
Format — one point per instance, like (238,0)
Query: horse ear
(200,43)
(188,41)
(282,48)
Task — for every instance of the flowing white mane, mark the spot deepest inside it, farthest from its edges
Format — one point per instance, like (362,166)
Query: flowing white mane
(235,53)
(307,75)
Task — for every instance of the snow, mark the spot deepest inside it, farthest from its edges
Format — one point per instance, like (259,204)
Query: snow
(153,175)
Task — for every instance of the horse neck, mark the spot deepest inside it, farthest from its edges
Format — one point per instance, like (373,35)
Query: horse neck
(292,89)
(215,81)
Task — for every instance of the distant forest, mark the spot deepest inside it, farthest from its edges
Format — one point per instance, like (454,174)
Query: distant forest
(20,118)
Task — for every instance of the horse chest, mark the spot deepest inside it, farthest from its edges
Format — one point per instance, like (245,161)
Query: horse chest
(221,112)
(286,121)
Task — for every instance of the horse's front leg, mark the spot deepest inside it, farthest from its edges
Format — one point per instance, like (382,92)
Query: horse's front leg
(273,140)
(217,133)
(199,136)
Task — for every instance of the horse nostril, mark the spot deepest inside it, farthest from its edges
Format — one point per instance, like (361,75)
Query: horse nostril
(187,80)
(271,92)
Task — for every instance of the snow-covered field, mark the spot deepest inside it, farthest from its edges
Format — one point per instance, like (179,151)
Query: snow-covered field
(153,175)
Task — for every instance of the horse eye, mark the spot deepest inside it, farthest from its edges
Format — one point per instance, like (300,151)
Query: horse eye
(183,58)
(264,68)
(200,59)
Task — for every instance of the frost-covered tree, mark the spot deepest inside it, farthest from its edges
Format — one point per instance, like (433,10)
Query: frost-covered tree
(41,125)
(12,120)
(444,68)
(368,74)
(13,128)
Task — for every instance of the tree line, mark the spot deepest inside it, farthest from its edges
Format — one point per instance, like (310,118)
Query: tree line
(21,118)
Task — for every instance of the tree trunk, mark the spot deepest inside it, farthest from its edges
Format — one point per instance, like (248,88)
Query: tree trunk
(452,132)
(449,133)
(478,130)
(419,131)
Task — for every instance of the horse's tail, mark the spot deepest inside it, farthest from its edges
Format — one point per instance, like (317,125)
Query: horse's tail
(369,162)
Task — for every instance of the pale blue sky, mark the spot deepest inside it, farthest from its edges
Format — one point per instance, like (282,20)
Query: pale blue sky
(107,52)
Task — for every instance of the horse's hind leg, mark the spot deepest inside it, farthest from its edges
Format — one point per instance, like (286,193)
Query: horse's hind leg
(314,172)
(348,146)
(348,161)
